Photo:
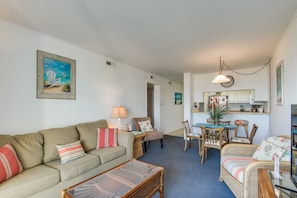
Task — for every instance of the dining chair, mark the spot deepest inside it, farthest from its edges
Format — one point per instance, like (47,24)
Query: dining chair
(188,136)
(244,140)
(241,123)
(212,138)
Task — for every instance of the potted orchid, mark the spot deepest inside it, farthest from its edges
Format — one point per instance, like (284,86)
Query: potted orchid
(216,110)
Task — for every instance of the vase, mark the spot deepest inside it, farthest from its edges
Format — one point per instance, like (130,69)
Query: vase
(216,121)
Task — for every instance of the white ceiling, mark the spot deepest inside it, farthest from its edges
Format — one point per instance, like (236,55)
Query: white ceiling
(164,37)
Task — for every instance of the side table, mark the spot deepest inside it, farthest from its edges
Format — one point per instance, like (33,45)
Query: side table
(267,188)
(137,147)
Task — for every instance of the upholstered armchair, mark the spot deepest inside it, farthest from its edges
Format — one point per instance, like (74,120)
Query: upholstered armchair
(150,133)
(239,168)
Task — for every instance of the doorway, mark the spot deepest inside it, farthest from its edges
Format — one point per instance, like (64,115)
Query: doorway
(153,104)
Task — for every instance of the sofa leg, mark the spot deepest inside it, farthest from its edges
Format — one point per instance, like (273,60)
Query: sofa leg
(161,141)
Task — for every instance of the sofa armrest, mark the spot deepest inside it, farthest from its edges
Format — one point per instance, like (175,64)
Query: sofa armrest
(239,149)
(251,175)
(126,139)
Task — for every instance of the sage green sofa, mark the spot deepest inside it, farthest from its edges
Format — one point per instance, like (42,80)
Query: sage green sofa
(44,175)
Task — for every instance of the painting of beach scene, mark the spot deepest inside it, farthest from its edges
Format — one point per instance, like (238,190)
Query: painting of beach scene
(56,76)
(279,83)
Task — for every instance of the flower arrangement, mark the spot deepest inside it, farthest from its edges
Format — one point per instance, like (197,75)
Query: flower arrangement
(216,110)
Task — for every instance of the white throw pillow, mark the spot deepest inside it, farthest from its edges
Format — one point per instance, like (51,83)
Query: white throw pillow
(268,151)
(145,126)
(283,142)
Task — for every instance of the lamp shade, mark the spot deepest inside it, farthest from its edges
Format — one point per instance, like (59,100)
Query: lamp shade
(119,112)
(220,78)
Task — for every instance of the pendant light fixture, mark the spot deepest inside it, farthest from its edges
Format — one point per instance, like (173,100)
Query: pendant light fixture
(220,78)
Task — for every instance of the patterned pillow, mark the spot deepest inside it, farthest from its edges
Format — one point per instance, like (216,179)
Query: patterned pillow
(267,151)
(10,165)
(283,142)
(107,137)
(145,126)
(71,151)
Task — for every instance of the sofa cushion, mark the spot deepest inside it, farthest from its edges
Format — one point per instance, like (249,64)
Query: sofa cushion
(268,151)
(5,139)
(9,163)
(71,151)
(30,181)
(108,154)
(76,167)
(107,137)
(88,133)
(29,148)
(236,164)
(55,136)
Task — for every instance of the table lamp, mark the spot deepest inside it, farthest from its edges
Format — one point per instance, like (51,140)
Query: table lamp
(119,112)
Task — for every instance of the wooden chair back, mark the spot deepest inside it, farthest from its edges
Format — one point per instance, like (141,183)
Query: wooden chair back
(187,128)
(253,133)
(241,123)
(213,137)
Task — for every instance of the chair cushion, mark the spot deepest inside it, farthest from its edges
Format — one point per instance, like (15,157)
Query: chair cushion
(10,164)
(268,151)
(146,126)
(240,140)
(152,135)
(107,137)
(235,165)
(71,151)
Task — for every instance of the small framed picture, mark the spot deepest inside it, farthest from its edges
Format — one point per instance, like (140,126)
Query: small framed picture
(279,92)
(178,98)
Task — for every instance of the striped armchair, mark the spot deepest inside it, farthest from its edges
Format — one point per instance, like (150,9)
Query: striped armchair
(240,171)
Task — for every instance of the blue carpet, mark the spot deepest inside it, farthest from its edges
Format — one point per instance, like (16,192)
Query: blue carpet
(184,174)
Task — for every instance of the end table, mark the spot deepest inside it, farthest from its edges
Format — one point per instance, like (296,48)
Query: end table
(137,147)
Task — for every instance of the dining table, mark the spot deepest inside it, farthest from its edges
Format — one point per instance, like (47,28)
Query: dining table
(227,127)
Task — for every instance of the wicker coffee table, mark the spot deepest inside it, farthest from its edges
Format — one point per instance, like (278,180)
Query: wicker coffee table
(132,179)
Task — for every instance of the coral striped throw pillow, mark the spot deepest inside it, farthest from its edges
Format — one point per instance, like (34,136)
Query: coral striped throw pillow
(71,151)
(107,137)
(10,165)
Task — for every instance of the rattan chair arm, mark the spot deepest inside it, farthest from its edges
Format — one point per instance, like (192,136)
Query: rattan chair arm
(251,175)
(239,149)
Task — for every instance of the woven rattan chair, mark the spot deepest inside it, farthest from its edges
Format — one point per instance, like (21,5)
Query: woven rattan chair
(212,138)
(249,187)
(188,135)
(245,140)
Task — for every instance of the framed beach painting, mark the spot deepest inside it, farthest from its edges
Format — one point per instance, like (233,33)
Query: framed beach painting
(56,76)
(279,72)
(178,98)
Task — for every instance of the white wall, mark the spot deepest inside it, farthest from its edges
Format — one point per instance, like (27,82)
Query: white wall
(286,50)
(99,87)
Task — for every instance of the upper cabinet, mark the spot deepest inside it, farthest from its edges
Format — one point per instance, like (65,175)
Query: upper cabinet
(236,96)
(241,96)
